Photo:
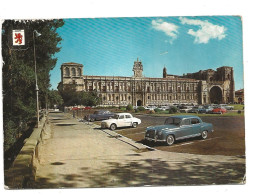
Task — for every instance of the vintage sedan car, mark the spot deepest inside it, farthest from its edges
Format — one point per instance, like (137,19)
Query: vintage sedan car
(185,109)
(206,109)
(219,110)
(120,120)
(177,128)
(195,109)
(99,115)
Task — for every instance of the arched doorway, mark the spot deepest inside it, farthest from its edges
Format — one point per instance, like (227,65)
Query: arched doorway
(139,103)
(216,95)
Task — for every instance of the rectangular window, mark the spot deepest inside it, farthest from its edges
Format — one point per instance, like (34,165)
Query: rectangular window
(186,122)
(195,121)
(121,116)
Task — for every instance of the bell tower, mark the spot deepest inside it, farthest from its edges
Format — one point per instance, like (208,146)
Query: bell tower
(138,68)
(164,72)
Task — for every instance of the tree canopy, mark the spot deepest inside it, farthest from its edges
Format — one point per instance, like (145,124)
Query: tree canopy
(72,97)
(18,72)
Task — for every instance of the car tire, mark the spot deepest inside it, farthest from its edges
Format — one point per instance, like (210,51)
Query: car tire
(204,134)
(92,119)
(170,140)
(134,125)
(113,127)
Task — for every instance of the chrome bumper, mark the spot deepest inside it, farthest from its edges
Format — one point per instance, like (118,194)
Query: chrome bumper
(154,139)
(103,126)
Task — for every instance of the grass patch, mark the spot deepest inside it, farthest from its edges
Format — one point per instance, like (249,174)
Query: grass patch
(237,106)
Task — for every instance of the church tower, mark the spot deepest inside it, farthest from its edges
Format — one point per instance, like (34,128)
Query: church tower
(138,68)
(164,72)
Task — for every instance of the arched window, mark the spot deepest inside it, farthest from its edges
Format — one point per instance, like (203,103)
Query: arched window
(79,72)
(67,72)
(73,71)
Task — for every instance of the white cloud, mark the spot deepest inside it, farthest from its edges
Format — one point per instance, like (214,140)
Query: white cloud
(206,32)
(169,29)
(166,52)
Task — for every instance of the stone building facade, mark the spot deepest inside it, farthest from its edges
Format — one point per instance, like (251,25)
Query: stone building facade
(203,87)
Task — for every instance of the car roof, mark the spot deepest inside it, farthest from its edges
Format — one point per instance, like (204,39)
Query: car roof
(184,116)
(123,113)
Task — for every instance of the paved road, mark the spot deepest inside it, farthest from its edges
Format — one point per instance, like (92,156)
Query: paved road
(228,137)
(82,155)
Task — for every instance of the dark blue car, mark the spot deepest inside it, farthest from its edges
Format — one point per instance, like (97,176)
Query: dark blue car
(100,115)
(177,128)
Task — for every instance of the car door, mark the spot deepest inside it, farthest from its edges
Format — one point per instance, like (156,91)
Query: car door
(196,126)
(185,128)
(104,115)
(100,115)
(121,121)
(128,120)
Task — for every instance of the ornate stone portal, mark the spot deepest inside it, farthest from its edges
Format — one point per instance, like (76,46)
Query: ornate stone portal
(203,87)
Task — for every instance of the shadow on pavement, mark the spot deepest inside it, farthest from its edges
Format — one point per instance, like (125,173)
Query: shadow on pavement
(151,172)
(65,124)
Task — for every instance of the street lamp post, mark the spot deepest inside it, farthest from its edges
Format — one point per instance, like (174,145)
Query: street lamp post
(35,33)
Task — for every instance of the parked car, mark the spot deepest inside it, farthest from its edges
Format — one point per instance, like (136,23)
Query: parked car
(87,108)
(185,109)
(206,109)
(121,120)
(195,109)
(177,128)
(227,107)
(99,115)
(150,107)
(219,110)
(75,108)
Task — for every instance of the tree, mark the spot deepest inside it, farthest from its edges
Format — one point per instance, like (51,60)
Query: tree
(69,94)
(19,97)
(54,98)
(89,98)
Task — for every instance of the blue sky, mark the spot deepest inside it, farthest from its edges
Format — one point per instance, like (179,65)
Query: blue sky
(109,46)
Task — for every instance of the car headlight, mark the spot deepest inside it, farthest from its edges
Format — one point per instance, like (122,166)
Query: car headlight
(159,133)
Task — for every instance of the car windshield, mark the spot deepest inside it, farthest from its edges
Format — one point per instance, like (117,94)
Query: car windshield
(172,121)
(96,112)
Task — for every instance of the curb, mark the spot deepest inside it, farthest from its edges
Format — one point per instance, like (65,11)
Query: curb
(124,139)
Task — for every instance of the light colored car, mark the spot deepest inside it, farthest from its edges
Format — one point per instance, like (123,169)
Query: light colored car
(121,120)
(185,109)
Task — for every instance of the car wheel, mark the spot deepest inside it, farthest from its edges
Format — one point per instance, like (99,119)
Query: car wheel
(135,125)
(170,140)
(92,119)
(113,127)
(204,134)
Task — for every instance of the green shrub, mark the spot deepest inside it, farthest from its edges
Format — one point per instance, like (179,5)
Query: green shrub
(129,107)
(140,108)
(122,108)
(173,110)
(157,110)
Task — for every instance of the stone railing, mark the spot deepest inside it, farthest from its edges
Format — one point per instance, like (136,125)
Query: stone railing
(22,172)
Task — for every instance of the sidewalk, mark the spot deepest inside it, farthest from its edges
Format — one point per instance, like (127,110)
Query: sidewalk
(83,155)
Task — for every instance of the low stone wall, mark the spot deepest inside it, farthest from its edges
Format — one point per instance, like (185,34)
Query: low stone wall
(23,170)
